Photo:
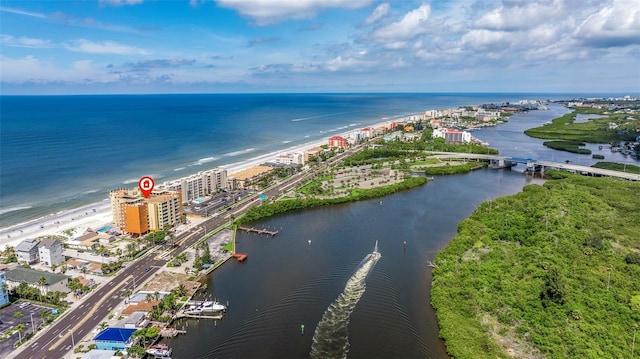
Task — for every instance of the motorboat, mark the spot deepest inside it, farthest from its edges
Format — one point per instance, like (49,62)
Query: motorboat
(375,255)
(205,307)
(159,351)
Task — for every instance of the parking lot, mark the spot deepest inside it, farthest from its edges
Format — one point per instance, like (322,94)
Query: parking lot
(9,320)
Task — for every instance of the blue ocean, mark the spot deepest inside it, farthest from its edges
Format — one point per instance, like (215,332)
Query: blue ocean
(61,152)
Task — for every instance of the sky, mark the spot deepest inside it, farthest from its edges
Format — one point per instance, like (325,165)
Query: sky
(249,46)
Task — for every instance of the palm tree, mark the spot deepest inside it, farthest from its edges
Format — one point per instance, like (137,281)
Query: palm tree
(149,297)
(41,282)
(19,328)
(103,325)
(181,290)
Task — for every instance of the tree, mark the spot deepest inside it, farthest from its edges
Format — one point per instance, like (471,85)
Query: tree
(555,289)
(41,282)
(103,325)
(181,290)
(19,328)
(18,314)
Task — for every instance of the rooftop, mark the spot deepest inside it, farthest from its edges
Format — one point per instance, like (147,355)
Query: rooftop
(121,335)
(31,276)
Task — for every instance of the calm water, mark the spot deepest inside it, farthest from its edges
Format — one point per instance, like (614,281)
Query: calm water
(286,282)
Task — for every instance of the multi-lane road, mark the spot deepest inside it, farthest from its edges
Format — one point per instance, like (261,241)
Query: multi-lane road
(55,341)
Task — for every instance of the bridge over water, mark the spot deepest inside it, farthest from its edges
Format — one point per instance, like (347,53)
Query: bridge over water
(537,165)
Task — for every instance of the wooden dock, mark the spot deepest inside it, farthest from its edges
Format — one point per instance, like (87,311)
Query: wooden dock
(257,230)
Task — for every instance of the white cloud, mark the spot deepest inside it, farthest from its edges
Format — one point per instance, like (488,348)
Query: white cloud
(104,47)
(396,35)
(272,11)
(120,2)
(614,25)
(31,69)
(380,11)
(22,12)
(27,42)
(522,15)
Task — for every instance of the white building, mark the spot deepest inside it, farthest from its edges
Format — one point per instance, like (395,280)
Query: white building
(452,135)
(198,185)
(27,251)
(295,158)
(50,251)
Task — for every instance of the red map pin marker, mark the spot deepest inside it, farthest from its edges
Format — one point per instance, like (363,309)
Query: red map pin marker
(146,185)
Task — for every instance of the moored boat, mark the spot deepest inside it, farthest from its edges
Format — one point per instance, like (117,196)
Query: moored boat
(159,351)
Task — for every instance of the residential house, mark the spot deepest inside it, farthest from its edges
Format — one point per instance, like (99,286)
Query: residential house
(114,339)
(53,282)
(27,251)
(50,251)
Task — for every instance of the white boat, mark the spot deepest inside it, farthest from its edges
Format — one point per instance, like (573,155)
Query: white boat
(205,307)
(160,351)
(375,255)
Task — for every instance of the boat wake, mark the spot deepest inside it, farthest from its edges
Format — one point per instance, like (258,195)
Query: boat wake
(331,338)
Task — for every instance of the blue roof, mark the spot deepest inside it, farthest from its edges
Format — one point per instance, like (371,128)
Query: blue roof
(121,335)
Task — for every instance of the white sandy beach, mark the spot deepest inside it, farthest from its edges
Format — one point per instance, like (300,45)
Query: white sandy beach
(97,215)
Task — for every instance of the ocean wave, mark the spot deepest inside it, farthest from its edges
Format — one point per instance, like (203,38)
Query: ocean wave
(203,161)
(90,191)
(13,209)
(287,141)
(237,153)
(131,180)
(178,169)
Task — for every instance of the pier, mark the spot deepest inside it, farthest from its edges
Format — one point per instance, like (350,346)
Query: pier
(257,230)
(170,332)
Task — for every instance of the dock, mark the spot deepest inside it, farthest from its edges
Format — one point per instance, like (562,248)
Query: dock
(240,256)
(170,332)
(257,230)
(182,314)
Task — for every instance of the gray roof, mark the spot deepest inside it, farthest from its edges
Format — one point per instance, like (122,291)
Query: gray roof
(27,245)
(31,276)
(49,242)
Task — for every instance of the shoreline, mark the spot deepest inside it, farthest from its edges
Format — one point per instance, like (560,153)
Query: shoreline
(97,214)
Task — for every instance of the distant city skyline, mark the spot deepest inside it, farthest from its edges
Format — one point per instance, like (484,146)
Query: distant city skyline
(232,46)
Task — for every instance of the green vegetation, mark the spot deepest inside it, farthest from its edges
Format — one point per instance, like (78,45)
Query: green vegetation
(568,146)
(457,168)
(549,272)
(593,131)
(620,167)
(267,210)
(598,157)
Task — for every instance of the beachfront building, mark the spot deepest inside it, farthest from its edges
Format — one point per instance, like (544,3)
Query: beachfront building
(53,282)
(451,135)
(136,218)
(120,198)
(312,153)
(245,178)
(50,251)
(114,339)
(337,142)
(164,209)
(198,185)
(4,293)
(27,251)
(295,158)
(137,215)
